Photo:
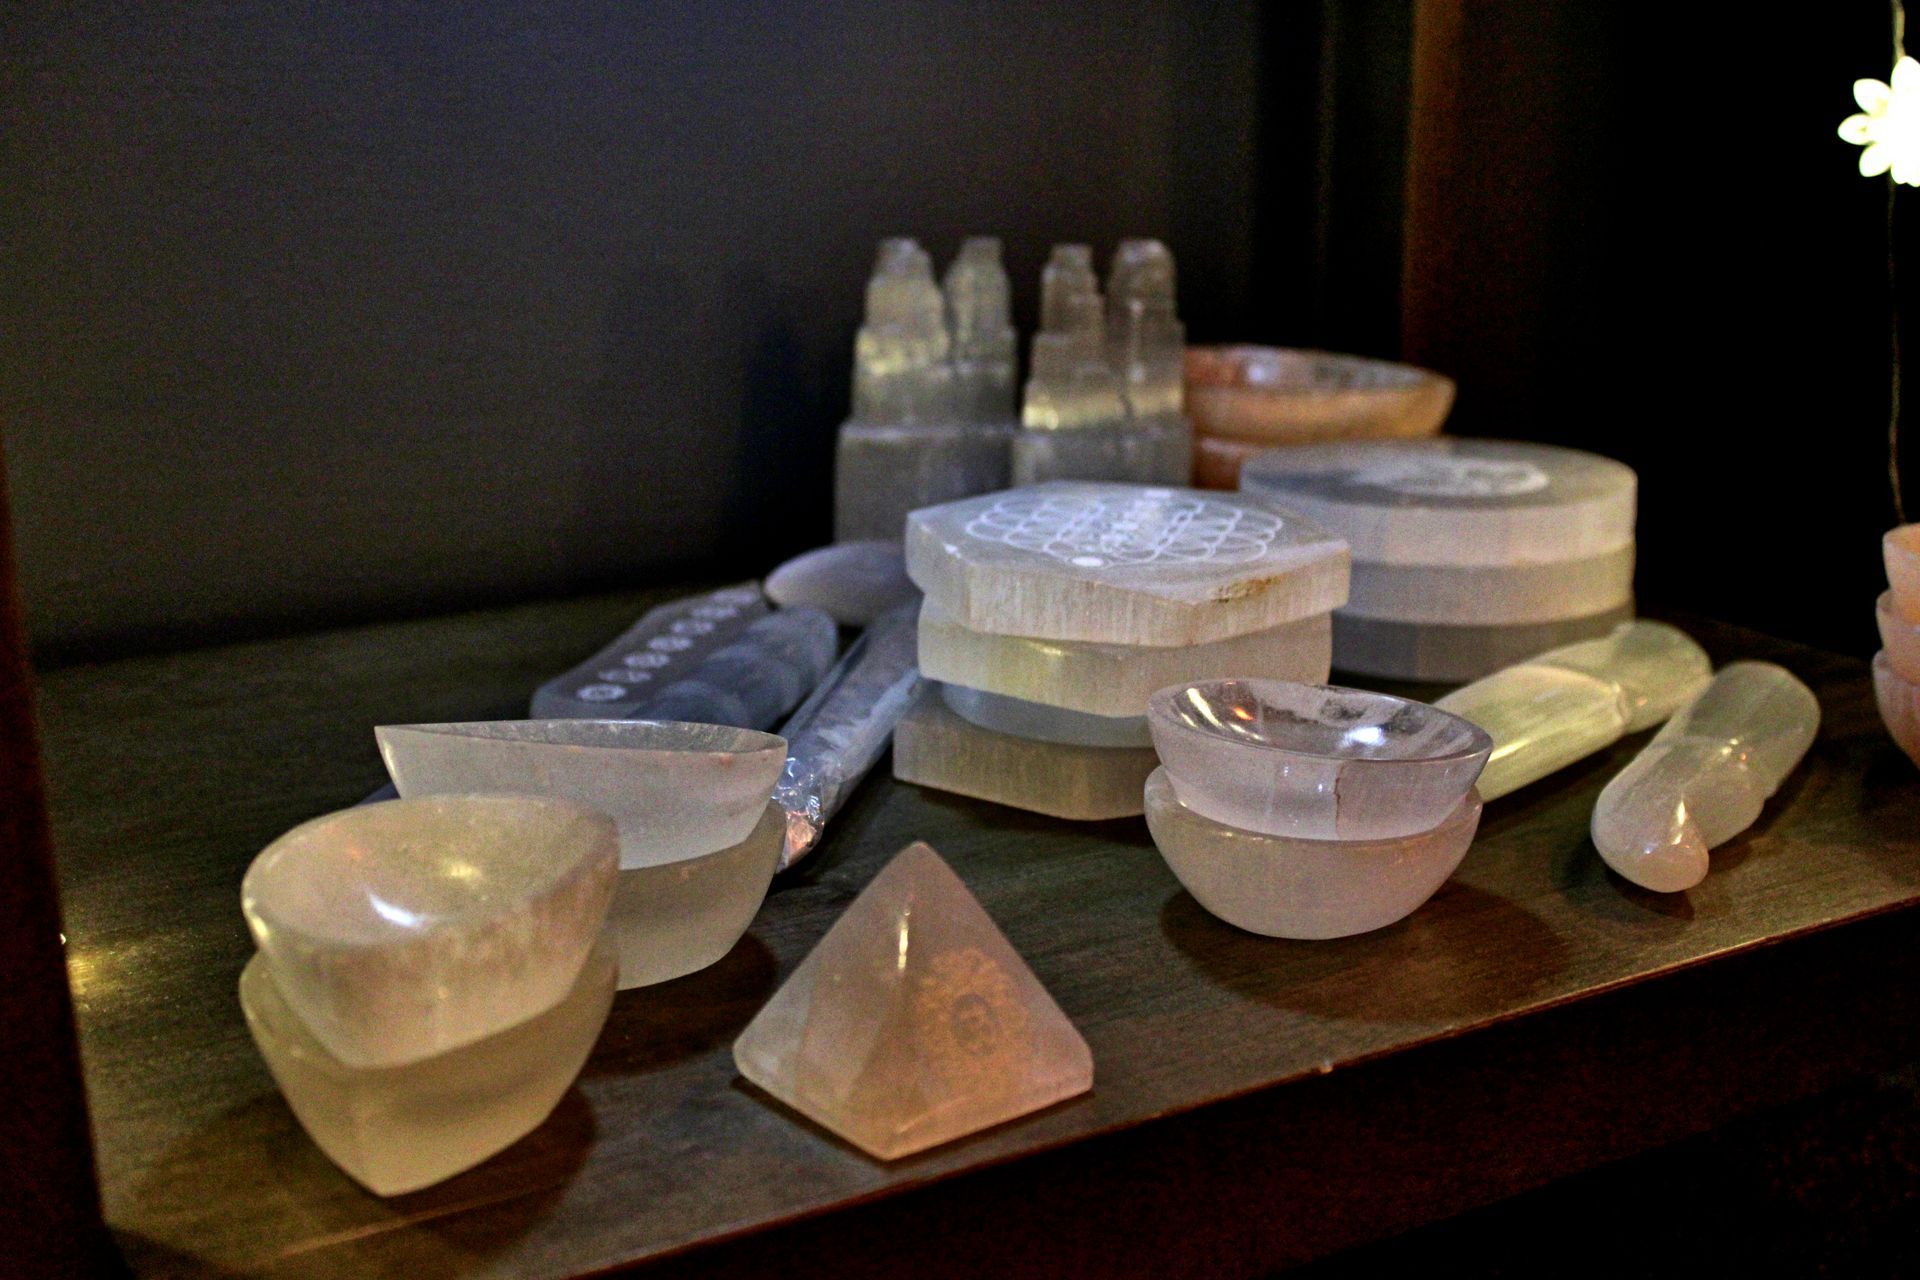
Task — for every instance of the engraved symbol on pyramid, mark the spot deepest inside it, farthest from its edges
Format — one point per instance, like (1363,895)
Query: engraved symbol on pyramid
(1455,478)
(1091,531)
(914,1021)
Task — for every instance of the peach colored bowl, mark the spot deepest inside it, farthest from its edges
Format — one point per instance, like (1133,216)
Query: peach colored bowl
(1279,395)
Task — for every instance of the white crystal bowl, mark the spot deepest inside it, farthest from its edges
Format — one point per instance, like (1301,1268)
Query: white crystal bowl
(676,790)
(1307,889)
(1900,548)
(1899,637)
(406,929)
(1278,395)
(1899,700)
(679,917)
(1314,761)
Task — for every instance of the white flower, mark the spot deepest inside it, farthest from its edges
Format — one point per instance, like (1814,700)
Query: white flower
(1889,124)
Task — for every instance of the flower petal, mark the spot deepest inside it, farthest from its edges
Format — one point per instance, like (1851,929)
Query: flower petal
(1876,160)
(1872,95)
(1906,76)
(1858,130)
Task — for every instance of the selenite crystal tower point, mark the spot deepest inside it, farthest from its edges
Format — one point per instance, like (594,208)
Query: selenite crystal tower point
(1146,342)
(1071,385)
(901,372)
(914,1021)
(979,317)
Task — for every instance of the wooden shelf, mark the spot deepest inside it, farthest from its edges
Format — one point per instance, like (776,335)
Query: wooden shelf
(1255,1101)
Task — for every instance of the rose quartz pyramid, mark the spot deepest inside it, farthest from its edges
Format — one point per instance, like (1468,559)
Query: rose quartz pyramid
(914,1021)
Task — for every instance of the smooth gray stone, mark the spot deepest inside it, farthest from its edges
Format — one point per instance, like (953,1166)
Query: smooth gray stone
(880,473)
(758,678)
(1138,451)
(854,582)
(662,648)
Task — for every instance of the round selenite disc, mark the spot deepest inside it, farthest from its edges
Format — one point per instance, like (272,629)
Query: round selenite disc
(1491,595)
(1454,502)
(1454,654)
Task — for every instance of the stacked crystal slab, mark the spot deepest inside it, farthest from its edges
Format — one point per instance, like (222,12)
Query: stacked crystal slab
(933,389)
(1052,612)
(1306,811)
(1896,668)
(1468,555)
(1245,400)
(430,977)
(1104,389)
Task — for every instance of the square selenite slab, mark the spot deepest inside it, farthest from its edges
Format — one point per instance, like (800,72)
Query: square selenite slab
(914,1021)
(1113,679)
(676,918)
(409,928)
(1454,501)
(933,747)
(1311,889)
(397,1129)
(1024,719)
(880,473)
(1131,451)
(1448,654)
(1123,564)
(1492,595)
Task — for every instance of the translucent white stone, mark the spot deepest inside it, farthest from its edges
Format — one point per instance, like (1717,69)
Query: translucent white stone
(1900,548)
(880,473)
(1568,703)
(1492,595)
(664,646)
(1112,679)
(1123,564)
(852,582)
(405,929)
(676,918)
(838,733)
(1146,343)
(1136,451)
(1314,762)
(914,1021)
(1309,889)
(1899,700)
(398,1129)
(1070,385)
(760,677)
(1451,654)
(1899,637)
(984,343)
(1049,724)
(933,747)
(1705,776)
(1278,396)
(1454,501)
(901,367)
(676,790)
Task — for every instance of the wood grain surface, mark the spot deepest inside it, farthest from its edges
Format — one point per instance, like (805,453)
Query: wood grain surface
(168,774)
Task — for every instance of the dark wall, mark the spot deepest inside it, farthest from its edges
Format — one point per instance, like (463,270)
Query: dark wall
(322,312)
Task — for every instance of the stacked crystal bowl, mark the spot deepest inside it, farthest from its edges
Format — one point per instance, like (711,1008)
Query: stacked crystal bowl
(1053,612)
(1896,668)
(1468,555)
(1308,811)
(1245,400)
(430,975)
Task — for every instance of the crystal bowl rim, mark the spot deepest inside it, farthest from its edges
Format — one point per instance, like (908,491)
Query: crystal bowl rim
(1236,356)
(333,941)
(1162,779)
(750,742)
(1159,712)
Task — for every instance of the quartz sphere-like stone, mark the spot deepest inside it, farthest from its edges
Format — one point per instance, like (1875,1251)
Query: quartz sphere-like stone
(1112,679)
(851,582)
(1314,762)
(1310,889)
(1280,396)
(1899,637)
(1026,719)
(1454,501)
(913,1021)
(933,747)
(1452,654)
(1123,564)
(1492,595)
(1900,548)
(400,1128)
(408,928)
(675,918)
(1706,775)
(1899,700)
(676,790)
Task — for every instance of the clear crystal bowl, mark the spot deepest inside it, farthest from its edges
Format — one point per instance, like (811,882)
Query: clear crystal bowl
(402,930)
(677,790)
(1314,762)
(1278,395)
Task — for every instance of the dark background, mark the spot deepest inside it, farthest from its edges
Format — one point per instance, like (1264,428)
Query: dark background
(324,313)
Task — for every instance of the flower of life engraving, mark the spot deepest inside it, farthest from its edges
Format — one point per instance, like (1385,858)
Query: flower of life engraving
(1092,530)
(1455,477)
